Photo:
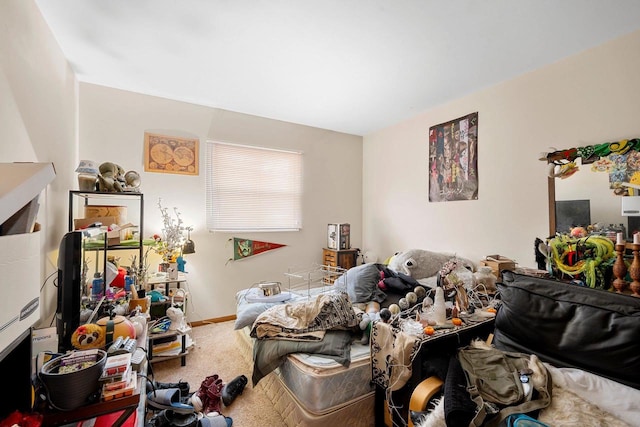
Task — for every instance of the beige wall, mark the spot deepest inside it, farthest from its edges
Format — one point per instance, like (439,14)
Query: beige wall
(381,188)
(38,102)
(112,126)
(585,99)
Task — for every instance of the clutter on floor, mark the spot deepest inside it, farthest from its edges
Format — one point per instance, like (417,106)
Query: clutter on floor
(172,404)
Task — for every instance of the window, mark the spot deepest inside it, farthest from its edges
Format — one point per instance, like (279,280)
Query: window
(253,188)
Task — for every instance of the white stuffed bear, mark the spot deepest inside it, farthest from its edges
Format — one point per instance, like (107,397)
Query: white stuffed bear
(420,264)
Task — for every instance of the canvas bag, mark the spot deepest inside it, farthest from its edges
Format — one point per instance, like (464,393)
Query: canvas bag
(493,380)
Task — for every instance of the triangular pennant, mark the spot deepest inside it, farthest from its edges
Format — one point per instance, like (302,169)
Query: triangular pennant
(244,248)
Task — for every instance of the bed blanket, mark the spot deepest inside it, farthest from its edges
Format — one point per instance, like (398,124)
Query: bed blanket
(269,354)
(579,399)
(306,320)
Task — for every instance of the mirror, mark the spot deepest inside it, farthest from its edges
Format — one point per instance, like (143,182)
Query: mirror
(585,189)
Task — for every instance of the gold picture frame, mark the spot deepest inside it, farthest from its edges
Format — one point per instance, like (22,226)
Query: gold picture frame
(170,154)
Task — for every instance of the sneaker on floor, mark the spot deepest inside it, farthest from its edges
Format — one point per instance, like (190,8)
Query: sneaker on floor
(233,389)
(169,418)
(182,385)
(215,419)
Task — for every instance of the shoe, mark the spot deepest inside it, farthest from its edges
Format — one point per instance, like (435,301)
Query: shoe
(182,385)
(215,419)
(209,394)
(168,398)
(233,389)
(169,418)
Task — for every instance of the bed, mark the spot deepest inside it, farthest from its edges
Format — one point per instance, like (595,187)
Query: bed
(318,382)
(313,391)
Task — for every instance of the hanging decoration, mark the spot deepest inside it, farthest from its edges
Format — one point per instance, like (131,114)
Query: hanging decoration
(591,153)
(244,248)
(620,159)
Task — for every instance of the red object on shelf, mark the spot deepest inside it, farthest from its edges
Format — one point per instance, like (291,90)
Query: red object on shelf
(109,420)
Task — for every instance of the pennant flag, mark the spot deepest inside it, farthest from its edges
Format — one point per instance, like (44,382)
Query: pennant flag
(244,248)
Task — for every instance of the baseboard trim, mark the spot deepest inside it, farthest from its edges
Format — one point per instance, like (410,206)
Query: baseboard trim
(214,320)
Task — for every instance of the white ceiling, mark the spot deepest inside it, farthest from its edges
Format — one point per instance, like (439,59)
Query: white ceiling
(352,66)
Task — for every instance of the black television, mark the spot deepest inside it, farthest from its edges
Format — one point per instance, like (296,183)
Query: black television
(572,213)
(69,288)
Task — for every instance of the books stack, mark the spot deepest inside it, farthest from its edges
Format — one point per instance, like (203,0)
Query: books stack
(118,379)
(169,348)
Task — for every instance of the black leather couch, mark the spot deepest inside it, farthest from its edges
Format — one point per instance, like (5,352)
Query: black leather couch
(570,326)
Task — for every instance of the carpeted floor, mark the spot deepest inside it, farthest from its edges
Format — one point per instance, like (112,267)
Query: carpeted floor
(215,352)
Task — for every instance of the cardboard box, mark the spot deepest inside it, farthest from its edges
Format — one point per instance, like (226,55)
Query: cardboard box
(43,340)
(117,235)
(20,272)
(114,237)
(498,263)
(98,211)
(81,223)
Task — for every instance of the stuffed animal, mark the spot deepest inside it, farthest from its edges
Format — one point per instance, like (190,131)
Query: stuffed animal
(420,264)
(89,335)
(372,314)
(111,178)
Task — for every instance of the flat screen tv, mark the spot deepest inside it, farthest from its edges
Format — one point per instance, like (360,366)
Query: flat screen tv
(69,288)
(572,213)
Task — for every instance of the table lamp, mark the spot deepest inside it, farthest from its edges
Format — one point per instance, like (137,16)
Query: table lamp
(189,247)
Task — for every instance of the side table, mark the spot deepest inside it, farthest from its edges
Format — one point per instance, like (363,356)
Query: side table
(169,335)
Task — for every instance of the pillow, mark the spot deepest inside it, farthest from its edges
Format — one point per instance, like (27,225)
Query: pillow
(268,354)
(361,283)
(248,312)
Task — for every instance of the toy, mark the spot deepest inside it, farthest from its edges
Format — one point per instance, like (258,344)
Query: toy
(368,319)
(372,314)
(111,178)
(420,264)
(89,335)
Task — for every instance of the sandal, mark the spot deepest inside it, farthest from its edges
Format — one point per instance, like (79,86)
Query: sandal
(168,398)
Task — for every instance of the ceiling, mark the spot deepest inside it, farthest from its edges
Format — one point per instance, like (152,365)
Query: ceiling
(353,66)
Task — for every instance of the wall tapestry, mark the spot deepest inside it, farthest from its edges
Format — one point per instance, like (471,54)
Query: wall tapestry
(170,154)
(244,248)
(453,160)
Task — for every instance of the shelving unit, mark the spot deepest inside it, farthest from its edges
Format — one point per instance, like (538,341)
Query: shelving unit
(312,280)
(78,199)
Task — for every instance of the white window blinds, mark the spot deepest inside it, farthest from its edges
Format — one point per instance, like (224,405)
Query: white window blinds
(253,188)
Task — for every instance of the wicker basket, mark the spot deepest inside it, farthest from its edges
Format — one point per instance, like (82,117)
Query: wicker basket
(68,391)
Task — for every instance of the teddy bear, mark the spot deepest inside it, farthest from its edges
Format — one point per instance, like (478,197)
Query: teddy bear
(89,335)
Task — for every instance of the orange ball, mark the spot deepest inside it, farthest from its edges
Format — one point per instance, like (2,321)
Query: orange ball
(456,321)
(429,330)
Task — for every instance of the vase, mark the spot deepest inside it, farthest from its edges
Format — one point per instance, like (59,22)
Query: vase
(172,271)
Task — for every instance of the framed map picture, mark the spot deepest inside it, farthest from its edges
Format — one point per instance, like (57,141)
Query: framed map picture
(453,160)
(170,154)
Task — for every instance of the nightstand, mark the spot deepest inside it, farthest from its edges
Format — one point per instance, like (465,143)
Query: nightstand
(345,258)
